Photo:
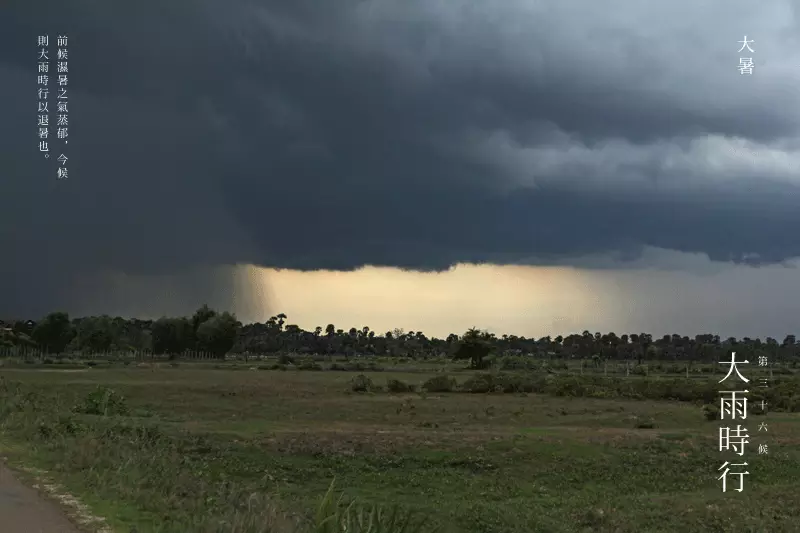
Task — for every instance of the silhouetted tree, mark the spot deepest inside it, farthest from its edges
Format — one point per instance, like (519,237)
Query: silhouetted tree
(53,332)
(218,334)
(474,346)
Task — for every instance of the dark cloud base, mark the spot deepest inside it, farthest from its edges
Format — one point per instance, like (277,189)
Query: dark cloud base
(291,137)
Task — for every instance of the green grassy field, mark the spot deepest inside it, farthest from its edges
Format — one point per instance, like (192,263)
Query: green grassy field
(198,449)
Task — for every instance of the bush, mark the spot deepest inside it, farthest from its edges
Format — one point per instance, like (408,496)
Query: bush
(361,383)
(479,383)
(69,425)
(782,395)
(363,367)
(395,385)
(356,367)
(103,401)
(440,384)
(334,516)
(645,423)
(711,412)
(507,383)
(514,362)
(284,359)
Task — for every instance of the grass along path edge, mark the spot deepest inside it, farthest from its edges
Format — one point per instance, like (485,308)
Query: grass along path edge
(49,491)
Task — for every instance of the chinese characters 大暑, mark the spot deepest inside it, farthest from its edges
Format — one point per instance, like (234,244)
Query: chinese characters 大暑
(746,64)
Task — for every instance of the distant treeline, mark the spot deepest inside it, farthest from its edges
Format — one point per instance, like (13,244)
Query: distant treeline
(218,333)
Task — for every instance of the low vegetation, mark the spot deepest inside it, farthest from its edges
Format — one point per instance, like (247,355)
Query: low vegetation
(469,434)
(193,448)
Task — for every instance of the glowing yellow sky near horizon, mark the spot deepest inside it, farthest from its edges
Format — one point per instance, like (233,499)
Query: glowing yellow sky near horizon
(531,301)
(664,292)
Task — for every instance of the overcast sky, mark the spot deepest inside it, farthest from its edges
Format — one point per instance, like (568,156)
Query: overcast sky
(615,143)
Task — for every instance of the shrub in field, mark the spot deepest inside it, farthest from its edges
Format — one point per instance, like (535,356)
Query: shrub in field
(441,383)
(781,395)
(284,359)
(356,366)
(103,401)
(9,388)
(50,428)
(711,412)
(511,362)
(362,367)
(361,383)
(635,388)
(500,382)
(479,383)
(395,385)
(511,383)
(334,517)
(15,398)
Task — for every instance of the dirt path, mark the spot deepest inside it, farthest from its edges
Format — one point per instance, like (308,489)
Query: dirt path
(23,510)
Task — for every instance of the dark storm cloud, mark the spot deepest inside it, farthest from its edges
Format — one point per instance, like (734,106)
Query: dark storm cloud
(414,134)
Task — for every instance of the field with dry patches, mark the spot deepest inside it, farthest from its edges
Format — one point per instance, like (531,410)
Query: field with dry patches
(193,444)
